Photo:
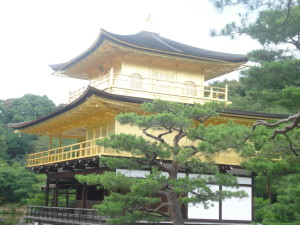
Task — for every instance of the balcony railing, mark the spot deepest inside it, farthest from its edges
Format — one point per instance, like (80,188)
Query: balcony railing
(89,149)
(71,152)
(153,87)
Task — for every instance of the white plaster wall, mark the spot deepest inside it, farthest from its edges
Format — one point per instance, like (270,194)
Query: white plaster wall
(198,211)
(238,209)
(244,180)
(146,68)
(133,173)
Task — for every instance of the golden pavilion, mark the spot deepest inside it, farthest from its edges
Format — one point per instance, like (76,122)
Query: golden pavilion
(124,71)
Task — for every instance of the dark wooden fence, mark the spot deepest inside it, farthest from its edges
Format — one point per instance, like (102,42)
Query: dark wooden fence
(63,215)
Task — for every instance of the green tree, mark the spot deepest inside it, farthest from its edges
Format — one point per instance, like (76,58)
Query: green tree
(16,183)
(14,147)
(277,21)
(164,151)
(274,82)
(3,144)
(286,209)
(28,107)
(268,174)
(272,85)
(285,187)
(36,196)
(276,161)
(269,80)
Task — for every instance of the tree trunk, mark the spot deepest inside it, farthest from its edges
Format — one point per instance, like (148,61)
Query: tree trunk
(175,208)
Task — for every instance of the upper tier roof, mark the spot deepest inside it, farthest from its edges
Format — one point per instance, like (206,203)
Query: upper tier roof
(154,43)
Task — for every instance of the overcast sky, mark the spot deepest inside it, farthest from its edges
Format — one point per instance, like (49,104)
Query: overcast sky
(37,33)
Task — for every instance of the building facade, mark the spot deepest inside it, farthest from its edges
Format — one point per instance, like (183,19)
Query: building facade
(124,71)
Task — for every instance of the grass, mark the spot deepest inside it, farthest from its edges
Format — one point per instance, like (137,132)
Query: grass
(12,208)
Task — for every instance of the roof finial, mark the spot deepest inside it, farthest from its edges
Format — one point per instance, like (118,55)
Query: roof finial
(149,24)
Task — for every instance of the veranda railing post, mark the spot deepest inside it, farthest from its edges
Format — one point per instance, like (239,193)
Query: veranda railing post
(79,215)
(67,214)
(74,214)
(226,92)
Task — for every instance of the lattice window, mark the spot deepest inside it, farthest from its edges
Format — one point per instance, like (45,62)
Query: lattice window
(136,81)
(190,88)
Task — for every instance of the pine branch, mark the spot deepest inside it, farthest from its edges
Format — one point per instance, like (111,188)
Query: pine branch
(203,120)
(294,119)
(153,212)
(159,165)
(178,137)
(165,133)
(195,150)
(291,147)
(202,197)
(157,138)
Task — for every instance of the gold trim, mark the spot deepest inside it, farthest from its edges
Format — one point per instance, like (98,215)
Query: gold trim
(249,117)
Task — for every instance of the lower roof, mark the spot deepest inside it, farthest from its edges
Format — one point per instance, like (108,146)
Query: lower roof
(135,100)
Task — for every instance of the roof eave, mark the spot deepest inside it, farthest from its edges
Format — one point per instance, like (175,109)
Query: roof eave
(93,91)
(104,35)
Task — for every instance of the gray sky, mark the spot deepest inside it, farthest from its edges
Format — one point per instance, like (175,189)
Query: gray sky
(36,33)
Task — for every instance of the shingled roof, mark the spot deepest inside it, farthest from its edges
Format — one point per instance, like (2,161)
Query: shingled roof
(153,42)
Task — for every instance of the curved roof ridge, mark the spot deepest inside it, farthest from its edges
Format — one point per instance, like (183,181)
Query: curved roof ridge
(166,43)
(153,42)
(143,41)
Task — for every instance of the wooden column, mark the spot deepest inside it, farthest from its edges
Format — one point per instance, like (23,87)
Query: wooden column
(50,142)
(47,192)
(84,195)
(56,193)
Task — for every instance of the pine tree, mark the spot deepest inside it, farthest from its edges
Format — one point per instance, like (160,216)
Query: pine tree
(177,140)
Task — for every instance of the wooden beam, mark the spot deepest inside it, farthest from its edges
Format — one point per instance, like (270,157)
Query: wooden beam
(78,166)
(51,169)
(67,167)
(55,203)
(47,192)
(72,174)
